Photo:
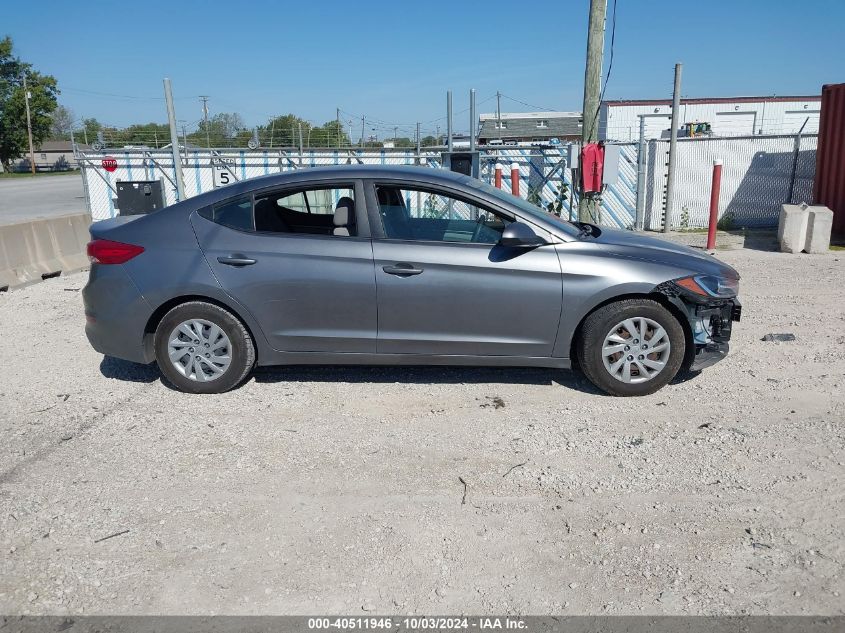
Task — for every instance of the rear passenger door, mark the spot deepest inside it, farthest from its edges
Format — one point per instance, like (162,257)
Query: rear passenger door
(277,252)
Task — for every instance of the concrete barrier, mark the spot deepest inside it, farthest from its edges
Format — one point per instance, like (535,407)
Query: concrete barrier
(792,228)
(819,226)
(34,250)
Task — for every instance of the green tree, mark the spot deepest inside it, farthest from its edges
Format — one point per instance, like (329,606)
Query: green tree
(150,134)
(330,134)
(61,124)
(403,141)
(283,131)
(42,103)
(90,127)
(222,128)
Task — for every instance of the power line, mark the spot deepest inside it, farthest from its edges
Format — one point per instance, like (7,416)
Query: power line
(116,96)
(535,107)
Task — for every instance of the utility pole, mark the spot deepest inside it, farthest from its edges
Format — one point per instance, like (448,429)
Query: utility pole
(362,132)
(673,142)
(339,128)
(272,129)
(498,114)
(204,99)
(174,140)
(588,207)
(418,140)
(472,120)
(300,143)
(26,97)
(449,120)
(395,128)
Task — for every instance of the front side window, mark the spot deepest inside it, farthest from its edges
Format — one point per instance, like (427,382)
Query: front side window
(416,214)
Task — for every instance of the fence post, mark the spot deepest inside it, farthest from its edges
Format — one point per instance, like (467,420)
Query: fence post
(795,152)
(499,168)
(174,141)
(515,179)
(714,204)
(639,219)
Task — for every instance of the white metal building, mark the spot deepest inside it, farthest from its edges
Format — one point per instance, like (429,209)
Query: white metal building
(726,116)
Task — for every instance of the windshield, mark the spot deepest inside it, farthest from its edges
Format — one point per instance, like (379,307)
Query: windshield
(528,208)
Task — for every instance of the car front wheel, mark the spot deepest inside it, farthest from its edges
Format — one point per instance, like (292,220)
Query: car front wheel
(203,348)
(631,347)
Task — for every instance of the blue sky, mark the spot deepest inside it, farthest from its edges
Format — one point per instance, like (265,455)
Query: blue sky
(393,60)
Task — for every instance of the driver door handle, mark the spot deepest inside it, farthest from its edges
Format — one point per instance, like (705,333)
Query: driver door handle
(402,269)
(236,260)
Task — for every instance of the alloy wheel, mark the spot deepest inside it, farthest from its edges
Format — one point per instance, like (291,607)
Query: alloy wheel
(199,350)
(636,350)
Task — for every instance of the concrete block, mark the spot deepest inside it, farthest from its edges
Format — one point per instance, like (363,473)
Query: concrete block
(29,251)
(819,226)
(792,227)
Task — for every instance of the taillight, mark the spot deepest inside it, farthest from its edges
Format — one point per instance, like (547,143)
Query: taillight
(108,252)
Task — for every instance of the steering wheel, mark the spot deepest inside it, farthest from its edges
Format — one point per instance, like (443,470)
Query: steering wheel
(479,225)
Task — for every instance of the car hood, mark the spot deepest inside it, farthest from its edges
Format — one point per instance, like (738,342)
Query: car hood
(652,249)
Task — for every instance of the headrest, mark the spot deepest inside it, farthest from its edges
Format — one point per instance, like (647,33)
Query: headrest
(344,212)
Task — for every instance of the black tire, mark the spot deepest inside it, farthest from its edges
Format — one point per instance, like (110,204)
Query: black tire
(598,325)
(242,349)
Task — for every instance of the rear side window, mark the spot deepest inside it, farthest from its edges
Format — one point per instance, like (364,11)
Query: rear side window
(236,214)
(316,211)
(326,210)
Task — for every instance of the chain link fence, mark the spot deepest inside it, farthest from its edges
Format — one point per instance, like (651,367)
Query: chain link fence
(760,173)
(544,178)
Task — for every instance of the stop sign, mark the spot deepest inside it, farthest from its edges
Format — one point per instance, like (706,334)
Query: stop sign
(109,163)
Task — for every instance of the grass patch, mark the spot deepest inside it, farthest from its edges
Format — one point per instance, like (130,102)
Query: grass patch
(837,247)
(38,174)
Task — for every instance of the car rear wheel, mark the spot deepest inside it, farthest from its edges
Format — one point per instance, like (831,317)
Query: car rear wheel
(203,348)
(631,347)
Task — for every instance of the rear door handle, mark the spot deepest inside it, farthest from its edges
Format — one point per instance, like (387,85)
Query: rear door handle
(402,269)
(236,260)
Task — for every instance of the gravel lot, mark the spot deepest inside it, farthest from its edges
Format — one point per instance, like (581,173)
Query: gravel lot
(340,489)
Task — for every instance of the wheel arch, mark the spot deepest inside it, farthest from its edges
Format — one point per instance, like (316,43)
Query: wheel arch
(167,306)
(660,298)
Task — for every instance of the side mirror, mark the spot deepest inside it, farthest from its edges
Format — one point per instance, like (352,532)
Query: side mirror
(520,235)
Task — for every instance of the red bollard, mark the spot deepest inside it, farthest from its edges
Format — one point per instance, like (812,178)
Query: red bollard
(499,168)
(714,204)
(515,179)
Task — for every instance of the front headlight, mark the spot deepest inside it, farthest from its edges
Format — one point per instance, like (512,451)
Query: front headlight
(710,286)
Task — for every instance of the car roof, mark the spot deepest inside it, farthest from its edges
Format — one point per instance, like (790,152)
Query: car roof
(314,175)
(330,172)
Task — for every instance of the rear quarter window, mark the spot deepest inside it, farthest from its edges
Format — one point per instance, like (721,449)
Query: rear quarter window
(236,214)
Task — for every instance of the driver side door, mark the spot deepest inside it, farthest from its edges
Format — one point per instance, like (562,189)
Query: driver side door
(445,286)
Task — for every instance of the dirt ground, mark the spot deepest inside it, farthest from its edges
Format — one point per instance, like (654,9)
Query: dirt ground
(364,490)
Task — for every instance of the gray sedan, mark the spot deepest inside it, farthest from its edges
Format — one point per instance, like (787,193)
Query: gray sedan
(397,266)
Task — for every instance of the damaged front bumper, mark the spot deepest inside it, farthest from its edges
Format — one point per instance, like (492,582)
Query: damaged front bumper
(711,330)
(710,319)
